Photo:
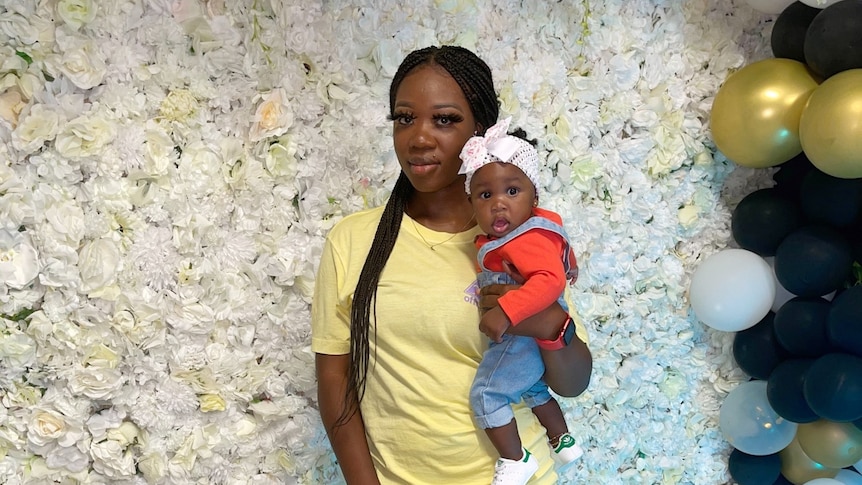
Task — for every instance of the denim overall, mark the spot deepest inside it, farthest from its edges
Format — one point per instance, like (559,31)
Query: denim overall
(512,369)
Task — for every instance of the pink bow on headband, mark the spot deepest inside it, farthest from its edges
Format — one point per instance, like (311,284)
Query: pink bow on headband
(496,144)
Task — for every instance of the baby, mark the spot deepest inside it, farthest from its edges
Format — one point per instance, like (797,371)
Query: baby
(502,175)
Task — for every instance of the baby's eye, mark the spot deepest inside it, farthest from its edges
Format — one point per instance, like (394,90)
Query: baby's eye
(485,195)
(513,191)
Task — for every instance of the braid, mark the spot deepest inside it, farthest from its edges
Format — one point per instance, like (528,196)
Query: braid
(476,81)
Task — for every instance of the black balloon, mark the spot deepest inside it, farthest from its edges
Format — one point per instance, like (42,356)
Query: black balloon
(833,387)
(782,481)
(832,41)
(788,32)
(844,323)
(786,394)
(753,470)
(830,200)
(762,219)
(790,174)
(813,261)
(756,349)
(801,326)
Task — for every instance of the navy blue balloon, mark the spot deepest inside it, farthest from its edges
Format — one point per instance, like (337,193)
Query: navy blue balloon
(786,394)
(788,32)
(844,323)
(762,219)
(790,175)
(813,261)
(753,470)
(800,326)
(756,350)
(833,387)
(831,200)
(782,481)
(832,41)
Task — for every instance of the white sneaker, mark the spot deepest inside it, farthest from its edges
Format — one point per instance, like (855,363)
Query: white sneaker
(515,472)
(566,451)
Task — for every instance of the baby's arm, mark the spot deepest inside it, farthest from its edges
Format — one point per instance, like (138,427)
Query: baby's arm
(536,256)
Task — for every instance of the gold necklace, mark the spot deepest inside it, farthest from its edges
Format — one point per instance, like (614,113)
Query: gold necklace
(432,246)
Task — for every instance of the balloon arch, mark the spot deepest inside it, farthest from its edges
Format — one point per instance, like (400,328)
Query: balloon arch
(792,289)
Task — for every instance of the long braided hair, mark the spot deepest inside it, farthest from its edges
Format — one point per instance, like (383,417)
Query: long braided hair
(474,77)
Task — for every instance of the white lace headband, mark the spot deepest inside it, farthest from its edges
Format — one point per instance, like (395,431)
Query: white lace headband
(498,146)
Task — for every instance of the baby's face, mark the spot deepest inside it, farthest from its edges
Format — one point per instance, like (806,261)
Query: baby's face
(502,197)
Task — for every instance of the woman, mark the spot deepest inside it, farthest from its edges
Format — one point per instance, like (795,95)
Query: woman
(393,394)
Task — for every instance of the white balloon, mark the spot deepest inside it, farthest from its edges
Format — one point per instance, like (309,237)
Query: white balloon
(823,481)
(848,477)
(858,466)
(732,290)
(819,3)
(769,6)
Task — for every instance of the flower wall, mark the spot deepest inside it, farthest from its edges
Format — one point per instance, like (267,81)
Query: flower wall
(170,169)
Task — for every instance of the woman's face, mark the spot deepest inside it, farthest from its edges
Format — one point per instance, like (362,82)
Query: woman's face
(431,122)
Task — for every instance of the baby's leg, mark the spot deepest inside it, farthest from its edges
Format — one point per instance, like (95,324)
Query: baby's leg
(551,417)
(506,440)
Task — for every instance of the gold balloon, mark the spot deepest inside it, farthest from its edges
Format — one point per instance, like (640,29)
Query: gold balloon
(835,445)
(755,115)
(830,128)
(798,468)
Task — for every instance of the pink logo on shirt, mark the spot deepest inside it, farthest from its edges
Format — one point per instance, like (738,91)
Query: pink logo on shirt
(471,294)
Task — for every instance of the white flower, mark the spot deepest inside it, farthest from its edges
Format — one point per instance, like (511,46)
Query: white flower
(39,125)
(17,351)
(272,117)
(48,428)
(84,65)
(112,460)
(76,12)
(99,261)
(96,382)
(85,136)
(19,261)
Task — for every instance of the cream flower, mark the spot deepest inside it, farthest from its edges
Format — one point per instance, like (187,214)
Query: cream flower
(272,117)
(19,261)
(85,136)
(39,125)
(76,12)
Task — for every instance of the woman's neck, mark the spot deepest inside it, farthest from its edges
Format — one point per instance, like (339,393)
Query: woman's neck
(444,211)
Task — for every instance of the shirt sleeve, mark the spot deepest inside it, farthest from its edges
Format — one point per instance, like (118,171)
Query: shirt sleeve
(330,308)
(537,256)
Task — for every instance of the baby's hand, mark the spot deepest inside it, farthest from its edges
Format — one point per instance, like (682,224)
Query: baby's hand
(494,324)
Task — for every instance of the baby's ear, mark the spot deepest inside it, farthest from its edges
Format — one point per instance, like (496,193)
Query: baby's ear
(536,201)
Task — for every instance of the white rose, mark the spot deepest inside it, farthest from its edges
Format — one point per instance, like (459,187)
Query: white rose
(98,262)
(272,118)
(38,126)
(280,158)
(110,459)
(76,12)
(17,351)
(49,427)
(96,382)
(85,136)
(84,66)
(19,261)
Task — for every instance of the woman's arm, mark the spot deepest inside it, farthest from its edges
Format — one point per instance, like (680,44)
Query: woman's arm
(348,437)
(567,370)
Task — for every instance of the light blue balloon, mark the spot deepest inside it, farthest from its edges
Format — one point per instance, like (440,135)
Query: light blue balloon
(749,423)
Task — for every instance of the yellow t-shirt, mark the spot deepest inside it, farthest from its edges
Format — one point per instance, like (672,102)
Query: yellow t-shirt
(424,353)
